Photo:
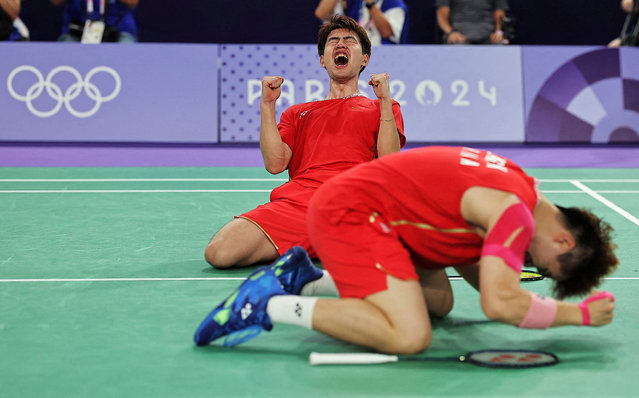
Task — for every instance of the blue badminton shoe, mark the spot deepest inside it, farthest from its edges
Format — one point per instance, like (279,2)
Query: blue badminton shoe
(242,316)
(294,269)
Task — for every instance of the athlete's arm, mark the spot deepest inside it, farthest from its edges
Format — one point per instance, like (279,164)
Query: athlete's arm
(502,299)
(388,135)
(275,152)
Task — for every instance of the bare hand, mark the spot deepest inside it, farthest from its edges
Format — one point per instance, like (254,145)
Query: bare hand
(497,37)
(626,5)
(380,84)
(455,38)
(601,311)
(271,88)
(615,43)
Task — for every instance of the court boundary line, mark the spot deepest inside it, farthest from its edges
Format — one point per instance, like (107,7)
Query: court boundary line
(43,191)
(611,180)
(185,279)
(580,191)
(606,202)
(574,182)
(177,279)
(140,179)
(550,180)
(49,191)
(274,180)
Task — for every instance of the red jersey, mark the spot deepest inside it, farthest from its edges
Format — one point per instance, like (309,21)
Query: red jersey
(326,137)
(418,193)
(330,136)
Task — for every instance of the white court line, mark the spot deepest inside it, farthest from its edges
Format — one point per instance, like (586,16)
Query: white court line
(613,191)
(620,278)
(612,180)
(606,202)
(53,280)
(580,191)
(54,191)
(121,279)
(45,191)
(139,179)
(137,191)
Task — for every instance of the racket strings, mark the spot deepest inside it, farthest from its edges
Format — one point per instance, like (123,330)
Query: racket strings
(497,358)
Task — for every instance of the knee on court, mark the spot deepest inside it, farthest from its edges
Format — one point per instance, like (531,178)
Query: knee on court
(443,307)
(218,256)
(412,342)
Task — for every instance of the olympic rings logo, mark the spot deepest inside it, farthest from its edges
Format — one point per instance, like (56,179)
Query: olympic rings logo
(71,93)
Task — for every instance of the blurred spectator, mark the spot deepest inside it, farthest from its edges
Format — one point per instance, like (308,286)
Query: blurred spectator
(385,21)
(326,9)
(472,21)
(11,26)
(95,21)
(629,35)
(626,5)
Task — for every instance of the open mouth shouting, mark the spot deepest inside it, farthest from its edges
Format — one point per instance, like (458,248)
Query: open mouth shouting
(340,59)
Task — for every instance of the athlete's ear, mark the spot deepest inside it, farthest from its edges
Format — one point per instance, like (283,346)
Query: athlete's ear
(565,241)
(322,61)
(365,60)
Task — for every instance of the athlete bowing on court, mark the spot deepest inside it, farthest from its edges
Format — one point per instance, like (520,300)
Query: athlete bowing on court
(386,230)
(314,141)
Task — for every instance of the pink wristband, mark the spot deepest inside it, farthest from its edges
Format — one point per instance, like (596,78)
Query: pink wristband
(583,306)
(585,314)
(541,312)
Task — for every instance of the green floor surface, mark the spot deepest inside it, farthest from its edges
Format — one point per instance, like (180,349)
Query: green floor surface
(103,282)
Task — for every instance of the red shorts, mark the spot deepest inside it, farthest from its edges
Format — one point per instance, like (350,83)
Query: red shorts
(358,249)
(283,219)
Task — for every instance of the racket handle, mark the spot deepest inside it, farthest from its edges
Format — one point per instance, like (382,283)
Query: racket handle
(318,358)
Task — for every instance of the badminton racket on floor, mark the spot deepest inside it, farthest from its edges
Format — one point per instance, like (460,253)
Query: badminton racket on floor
(526,276)
(488,358)
(529,276)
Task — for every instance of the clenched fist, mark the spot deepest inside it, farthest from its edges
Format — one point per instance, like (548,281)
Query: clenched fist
(380,84)
(271,88)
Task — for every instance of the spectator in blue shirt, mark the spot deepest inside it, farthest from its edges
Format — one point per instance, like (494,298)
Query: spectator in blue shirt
(385,21)
(118,17)
(11,26)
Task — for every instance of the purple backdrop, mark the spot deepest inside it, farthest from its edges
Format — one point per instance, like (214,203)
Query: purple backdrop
(108,92)
(169,93)
(442,98)
(582,94)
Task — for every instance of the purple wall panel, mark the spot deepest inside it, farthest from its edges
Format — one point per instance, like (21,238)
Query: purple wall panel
(243,67)
(169,93)
(581,94)
(447,93)
(108,92)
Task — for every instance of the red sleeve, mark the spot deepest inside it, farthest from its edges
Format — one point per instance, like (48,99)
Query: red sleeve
(399,121)
(288,127)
